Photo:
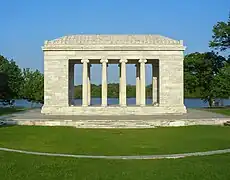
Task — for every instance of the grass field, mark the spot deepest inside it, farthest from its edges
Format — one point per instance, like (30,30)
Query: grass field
(30,167)
(224,111)
(115,141)
(10,110)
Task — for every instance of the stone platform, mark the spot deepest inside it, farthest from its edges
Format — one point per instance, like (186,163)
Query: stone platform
(193,117)
(112,110)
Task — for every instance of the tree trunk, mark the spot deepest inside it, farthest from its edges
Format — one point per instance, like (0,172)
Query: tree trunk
(210,102)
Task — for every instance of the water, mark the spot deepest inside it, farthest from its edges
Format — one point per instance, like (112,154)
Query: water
(189,103)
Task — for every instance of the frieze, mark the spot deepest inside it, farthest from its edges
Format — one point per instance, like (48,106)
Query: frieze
(56,47)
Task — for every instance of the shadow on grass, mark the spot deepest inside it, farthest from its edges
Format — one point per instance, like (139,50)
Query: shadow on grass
(4,125)
(10,110)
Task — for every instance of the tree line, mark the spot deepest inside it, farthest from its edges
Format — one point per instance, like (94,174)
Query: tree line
(113,91)
(206,75)
(16,83)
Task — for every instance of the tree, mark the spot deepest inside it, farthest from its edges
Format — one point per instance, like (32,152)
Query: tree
(221,35)
(131,91)
(33,86)
(4,86)
(222,81)
(113,90)
(12,76)
(200,71)
(190,74)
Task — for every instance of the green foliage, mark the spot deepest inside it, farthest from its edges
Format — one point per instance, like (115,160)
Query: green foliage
(131,91)
(113,91)
(194,94)
(95,90)
(12,79)
(148,91)
(4,86)
(201,70)
(78,92)
(222,82)
(33,86)
(221,36)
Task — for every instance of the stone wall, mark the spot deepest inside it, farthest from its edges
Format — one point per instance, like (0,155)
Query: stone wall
(56,86)
(171,81)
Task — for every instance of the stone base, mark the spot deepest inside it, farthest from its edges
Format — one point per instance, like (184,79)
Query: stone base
(113,110)
(34,117)
(117,123)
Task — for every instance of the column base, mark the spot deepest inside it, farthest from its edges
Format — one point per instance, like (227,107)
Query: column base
(123,105)
(142,105)
(174,109)
(155,104)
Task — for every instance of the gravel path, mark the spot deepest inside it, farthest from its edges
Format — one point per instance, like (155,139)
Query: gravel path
(165,156)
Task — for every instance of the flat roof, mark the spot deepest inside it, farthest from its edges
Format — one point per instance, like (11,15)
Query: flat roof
(114,39)
(113,42)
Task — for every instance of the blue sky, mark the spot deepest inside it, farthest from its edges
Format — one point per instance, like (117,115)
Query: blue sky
(26,24)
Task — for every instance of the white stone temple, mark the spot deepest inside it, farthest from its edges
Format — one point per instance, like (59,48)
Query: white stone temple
(164,54)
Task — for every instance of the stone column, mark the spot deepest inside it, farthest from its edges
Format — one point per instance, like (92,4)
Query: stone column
(137,84)
(89,84)
(123,83)
(155,71)
(104,82)
(142,82)
(85,82)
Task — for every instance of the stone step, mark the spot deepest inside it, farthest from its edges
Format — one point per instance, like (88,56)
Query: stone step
(114,123)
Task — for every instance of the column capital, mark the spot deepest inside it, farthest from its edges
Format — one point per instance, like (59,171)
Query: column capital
(84,61)
(104,60)
(122,60)
(142,61)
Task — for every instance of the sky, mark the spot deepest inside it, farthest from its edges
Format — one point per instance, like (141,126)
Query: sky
(25,25)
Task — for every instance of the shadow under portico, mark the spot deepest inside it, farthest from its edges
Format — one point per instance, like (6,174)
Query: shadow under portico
(140,88)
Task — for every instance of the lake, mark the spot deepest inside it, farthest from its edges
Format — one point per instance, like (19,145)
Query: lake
(189,103)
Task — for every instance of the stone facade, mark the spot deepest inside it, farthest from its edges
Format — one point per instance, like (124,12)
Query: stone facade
(166,56)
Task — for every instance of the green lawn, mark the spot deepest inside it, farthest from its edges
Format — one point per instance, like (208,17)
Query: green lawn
(224,111)
(31,167)
(10,110)
(115,141)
